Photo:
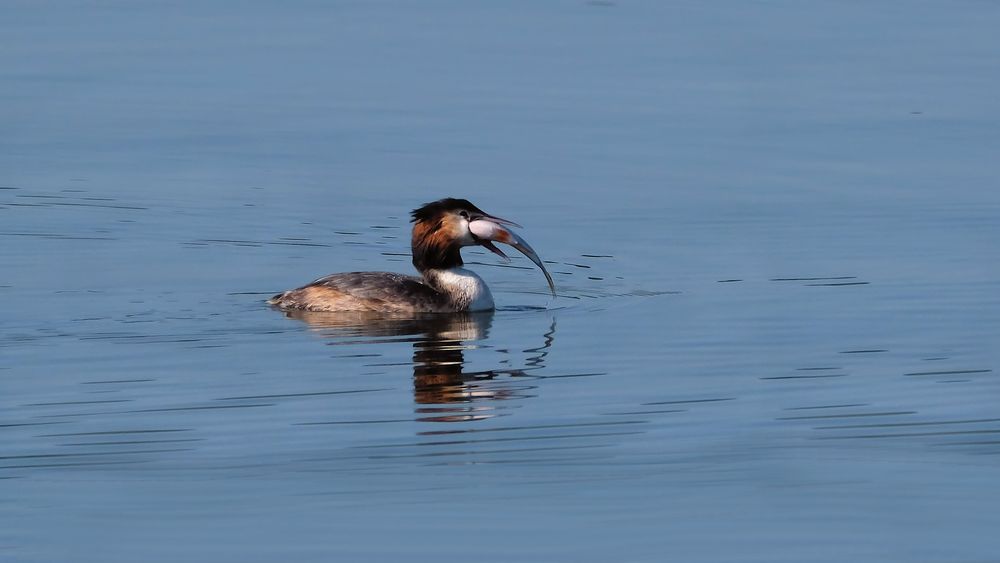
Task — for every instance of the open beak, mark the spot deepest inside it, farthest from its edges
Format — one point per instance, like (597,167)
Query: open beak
(488,228)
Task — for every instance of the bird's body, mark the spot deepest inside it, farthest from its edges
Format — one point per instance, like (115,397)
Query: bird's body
(389,292)
(440,230)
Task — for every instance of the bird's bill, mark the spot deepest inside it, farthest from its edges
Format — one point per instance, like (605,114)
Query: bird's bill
(493,248)
(498,220)
(490,229)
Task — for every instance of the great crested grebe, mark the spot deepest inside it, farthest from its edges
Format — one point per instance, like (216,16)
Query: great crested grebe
(440,230)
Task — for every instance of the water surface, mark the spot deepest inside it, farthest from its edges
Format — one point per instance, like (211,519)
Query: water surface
(773,228)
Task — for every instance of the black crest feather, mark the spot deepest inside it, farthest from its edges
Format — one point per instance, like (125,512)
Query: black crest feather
(435,208)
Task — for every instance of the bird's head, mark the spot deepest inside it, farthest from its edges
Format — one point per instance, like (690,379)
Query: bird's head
(441,228)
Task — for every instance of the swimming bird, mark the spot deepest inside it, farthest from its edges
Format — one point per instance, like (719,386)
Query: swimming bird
(440,230)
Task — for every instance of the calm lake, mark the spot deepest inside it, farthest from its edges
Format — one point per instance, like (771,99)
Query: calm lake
(774,229)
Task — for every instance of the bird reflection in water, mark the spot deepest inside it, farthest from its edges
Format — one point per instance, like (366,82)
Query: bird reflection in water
(443,389)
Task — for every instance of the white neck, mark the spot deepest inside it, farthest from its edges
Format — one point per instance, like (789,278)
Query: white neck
(464,288)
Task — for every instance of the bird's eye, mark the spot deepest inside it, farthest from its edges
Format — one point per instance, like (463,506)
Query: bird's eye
(464,214)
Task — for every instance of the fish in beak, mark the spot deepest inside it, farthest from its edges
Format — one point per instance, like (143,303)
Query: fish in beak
(487,228)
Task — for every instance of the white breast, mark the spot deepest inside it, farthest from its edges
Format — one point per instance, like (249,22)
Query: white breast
(465,287)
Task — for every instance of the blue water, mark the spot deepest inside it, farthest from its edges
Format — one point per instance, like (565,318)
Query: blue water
(773,228)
